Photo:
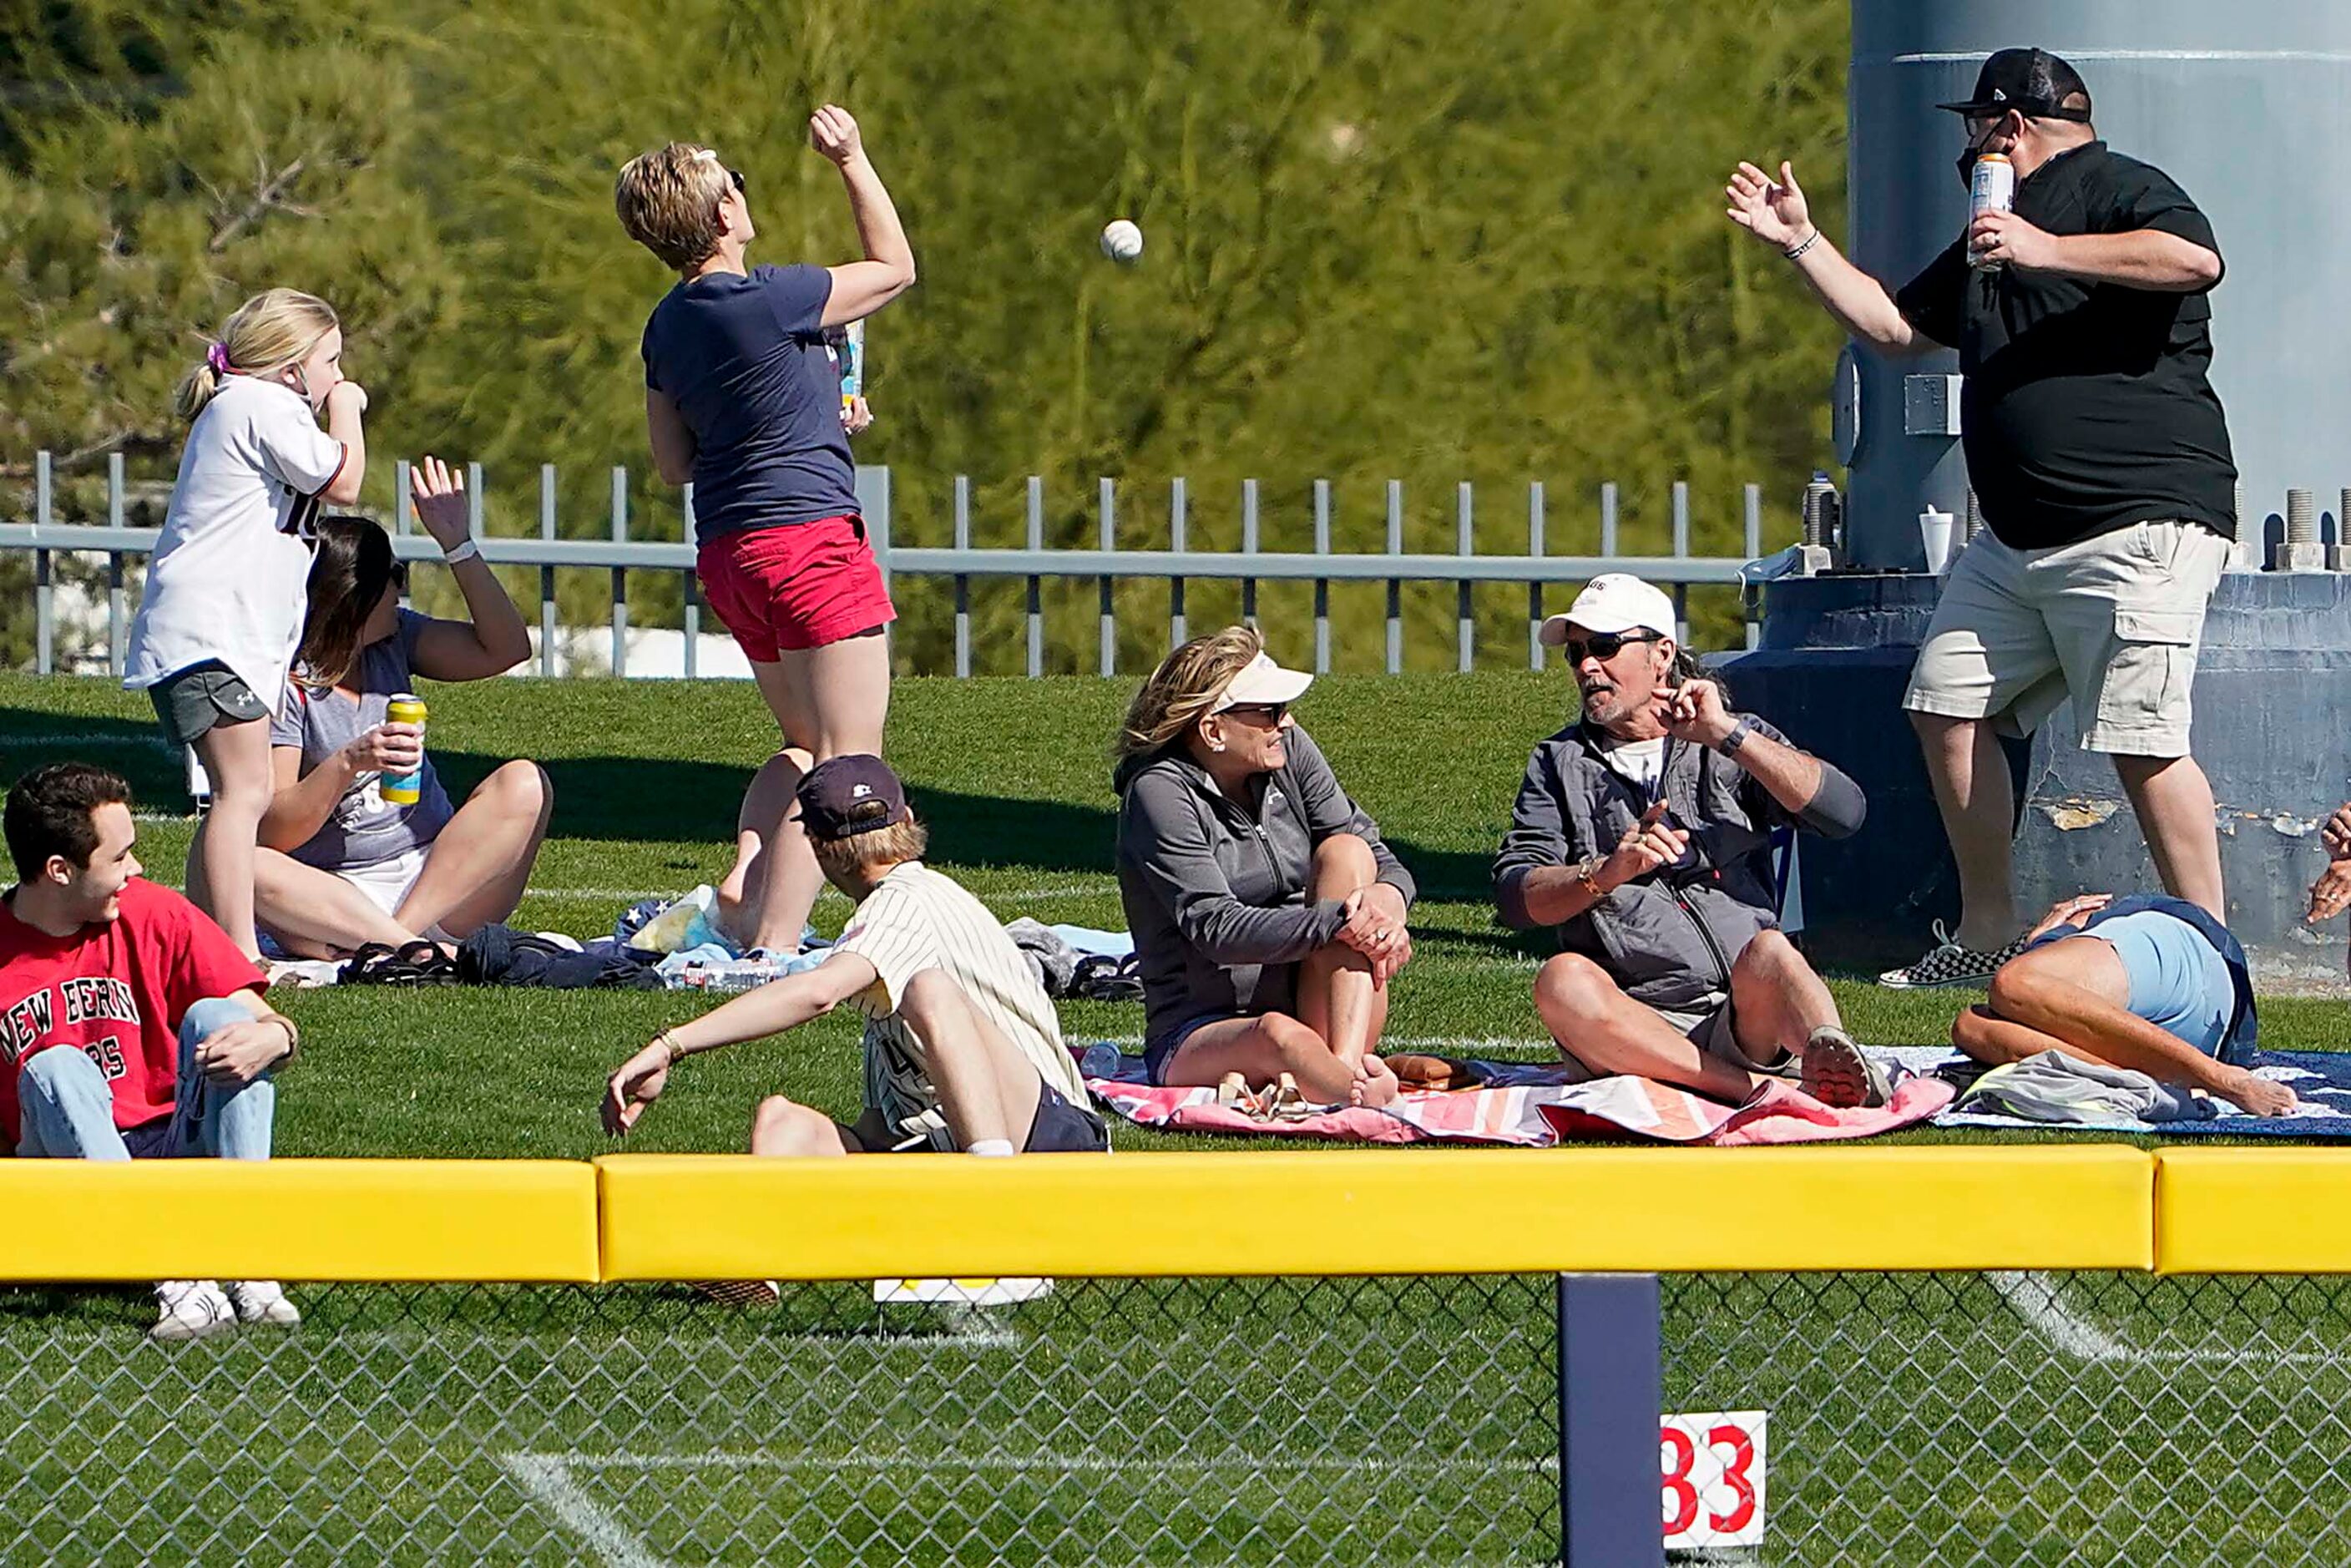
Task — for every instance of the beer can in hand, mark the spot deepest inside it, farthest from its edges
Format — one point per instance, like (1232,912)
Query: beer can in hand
(406,707)
(1991,189)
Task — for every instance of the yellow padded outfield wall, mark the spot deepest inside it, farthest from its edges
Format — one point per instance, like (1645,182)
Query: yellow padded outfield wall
(668,1217)
(298,1219)
(2187,1210)
(2252,1211)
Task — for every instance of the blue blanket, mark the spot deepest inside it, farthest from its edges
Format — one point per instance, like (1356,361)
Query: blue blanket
(2322,1080)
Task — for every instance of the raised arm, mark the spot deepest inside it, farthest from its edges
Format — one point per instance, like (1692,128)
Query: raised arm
(772,1009)
(1820,797)
(861,288)
(492,639)
(1775,212)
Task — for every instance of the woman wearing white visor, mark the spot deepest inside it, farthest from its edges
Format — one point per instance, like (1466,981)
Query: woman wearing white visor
(1268,913)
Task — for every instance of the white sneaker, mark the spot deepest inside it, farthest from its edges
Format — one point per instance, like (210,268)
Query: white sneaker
(191,1309)
(262,1302)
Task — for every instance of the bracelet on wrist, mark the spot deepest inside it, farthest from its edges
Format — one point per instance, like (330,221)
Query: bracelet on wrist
(1800,246)
(1587,873)
(467,550)
(1729,744)
(293,1034)
(670,1047)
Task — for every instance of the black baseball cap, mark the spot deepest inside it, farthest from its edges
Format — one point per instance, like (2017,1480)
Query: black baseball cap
(845,796)
(2034,82)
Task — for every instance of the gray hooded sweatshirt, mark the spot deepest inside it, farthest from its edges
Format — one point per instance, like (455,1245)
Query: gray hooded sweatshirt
(1215,887)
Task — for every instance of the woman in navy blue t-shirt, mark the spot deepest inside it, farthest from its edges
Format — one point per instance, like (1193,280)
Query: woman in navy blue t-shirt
(743,397)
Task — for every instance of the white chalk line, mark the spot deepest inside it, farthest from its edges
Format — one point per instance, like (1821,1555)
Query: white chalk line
(548,1479)
(2039,1301)
(907,1460)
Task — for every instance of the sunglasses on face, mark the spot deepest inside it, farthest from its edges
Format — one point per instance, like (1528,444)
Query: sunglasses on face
(1271,713)
(740,188)
(400,576)
(1606,645)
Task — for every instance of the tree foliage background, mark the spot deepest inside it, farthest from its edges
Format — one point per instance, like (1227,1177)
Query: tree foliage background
(1386,240)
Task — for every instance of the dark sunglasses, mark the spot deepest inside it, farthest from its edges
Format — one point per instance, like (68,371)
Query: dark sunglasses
(1273,713)
(740,188)
(400,576)
(1606,645)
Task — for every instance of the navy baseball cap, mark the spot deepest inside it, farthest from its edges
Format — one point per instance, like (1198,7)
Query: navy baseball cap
(2034,82)
(845,796)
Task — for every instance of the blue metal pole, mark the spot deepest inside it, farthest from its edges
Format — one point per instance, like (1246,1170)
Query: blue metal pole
(1610,1405)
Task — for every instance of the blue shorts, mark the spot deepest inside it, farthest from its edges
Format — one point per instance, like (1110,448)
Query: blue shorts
(2179,981)
(1158,1053)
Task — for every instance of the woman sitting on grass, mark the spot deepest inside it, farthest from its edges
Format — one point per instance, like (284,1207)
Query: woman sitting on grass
(340,865)
(1267,914)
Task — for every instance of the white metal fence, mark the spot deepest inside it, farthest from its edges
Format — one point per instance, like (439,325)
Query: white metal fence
(46,537)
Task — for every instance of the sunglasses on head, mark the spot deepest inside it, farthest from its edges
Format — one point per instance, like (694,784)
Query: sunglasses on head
(1606,645)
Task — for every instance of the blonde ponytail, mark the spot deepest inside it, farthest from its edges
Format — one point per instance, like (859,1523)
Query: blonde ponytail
(276,328)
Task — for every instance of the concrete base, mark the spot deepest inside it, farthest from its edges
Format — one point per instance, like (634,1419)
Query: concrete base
(2272,733)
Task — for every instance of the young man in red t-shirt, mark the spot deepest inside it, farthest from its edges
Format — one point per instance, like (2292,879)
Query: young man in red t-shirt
(129,1024)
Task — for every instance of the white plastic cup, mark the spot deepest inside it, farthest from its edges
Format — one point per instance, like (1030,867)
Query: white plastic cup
(1935,534)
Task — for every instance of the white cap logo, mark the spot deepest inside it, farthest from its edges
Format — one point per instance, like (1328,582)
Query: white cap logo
(860,791)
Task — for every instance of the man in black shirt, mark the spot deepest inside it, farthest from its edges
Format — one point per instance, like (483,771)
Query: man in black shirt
(2100,455)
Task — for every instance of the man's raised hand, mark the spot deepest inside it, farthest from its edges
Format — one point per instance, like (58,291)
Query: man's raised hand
(1774,211)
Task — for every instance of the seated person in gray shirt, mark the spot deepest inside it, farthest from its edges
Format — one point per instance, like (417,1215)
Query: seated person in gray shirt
(338,864)
(1641,833)
(1267,915)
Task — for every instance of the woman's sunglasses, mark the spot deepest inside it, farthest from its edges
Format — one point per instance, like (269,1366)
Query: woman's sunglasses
(1604,646)
(740,188)
(1273,713)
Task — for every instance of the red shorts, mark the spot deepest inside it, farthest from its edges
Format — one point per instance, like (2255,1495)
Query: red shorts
(794,588)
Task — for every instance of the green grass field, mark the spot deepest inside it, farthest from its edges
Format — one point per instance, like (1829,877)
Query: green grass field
(1914,1419)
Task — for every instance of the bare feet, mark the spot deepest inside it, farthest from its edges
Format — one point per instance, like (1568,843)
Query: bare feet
(2261,1096)
(1374,1084)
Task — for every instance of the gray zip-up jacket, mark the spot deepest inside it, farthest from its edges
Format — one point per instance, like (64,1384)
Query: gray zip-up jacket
(1215,887)
(1670,938)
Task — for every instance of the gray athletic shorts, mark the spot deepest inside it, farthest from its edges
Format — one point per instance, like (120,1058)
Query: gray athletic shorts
(191,701)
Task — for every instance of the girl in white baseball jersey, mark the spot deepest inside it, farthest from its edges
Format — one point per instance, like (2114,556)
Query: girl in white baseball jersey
(221,614)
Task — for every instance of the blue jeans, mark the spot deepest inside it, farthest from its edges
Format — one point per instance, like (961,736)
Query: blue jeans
(67,1109)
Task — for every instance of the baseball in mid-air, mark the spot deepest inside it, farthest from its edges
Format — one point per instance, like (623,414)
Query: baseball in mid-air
(1122,241)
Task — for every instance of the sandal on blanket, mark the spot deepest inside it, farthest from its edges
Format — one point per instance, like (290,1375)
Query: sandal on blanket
(1234,1094)
(1287,1102)
(1417,1071)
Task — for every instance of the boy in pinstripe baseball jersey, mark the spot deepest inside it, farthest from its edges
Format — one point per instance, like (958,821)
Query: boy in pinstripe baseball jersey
(962,1047)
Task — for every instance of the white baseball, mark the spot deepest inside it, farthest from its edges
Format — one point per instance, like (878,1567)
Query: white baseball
(1122,241)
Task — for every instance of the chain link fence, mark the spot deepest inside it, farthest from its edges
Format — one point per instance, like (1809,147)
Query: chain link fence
(1995,1419)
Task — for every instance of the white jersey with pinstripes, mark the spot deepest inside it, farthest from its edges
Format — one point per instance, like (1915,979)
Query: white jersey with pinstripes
(917,919)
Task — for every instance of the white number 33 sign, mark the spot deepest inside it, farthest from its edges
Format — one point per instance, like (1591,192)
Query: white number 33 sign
(1713,1478)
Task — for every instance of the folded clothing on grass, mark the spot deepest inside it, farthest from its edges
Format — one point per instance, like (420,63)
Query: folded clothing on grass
(2321,1079)
(1530,1106)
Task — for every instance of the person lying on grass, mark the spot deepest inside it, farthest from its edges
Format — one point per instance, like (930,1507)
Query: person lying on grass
(338,864)
(130,1026)
(2150,983)
(963,1049)
(1641,833)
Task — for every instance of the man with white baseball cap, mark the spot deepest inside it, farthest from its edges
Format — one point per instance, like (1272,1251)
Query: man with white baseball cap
(1641,833)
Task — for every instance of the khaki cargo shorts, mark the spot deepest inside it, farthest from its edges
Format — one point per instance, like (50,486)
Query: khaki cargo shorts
(2111,621)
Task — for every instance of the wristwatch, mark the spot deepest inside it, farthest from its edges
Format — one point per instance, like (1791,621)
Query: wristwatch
(1738,736)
